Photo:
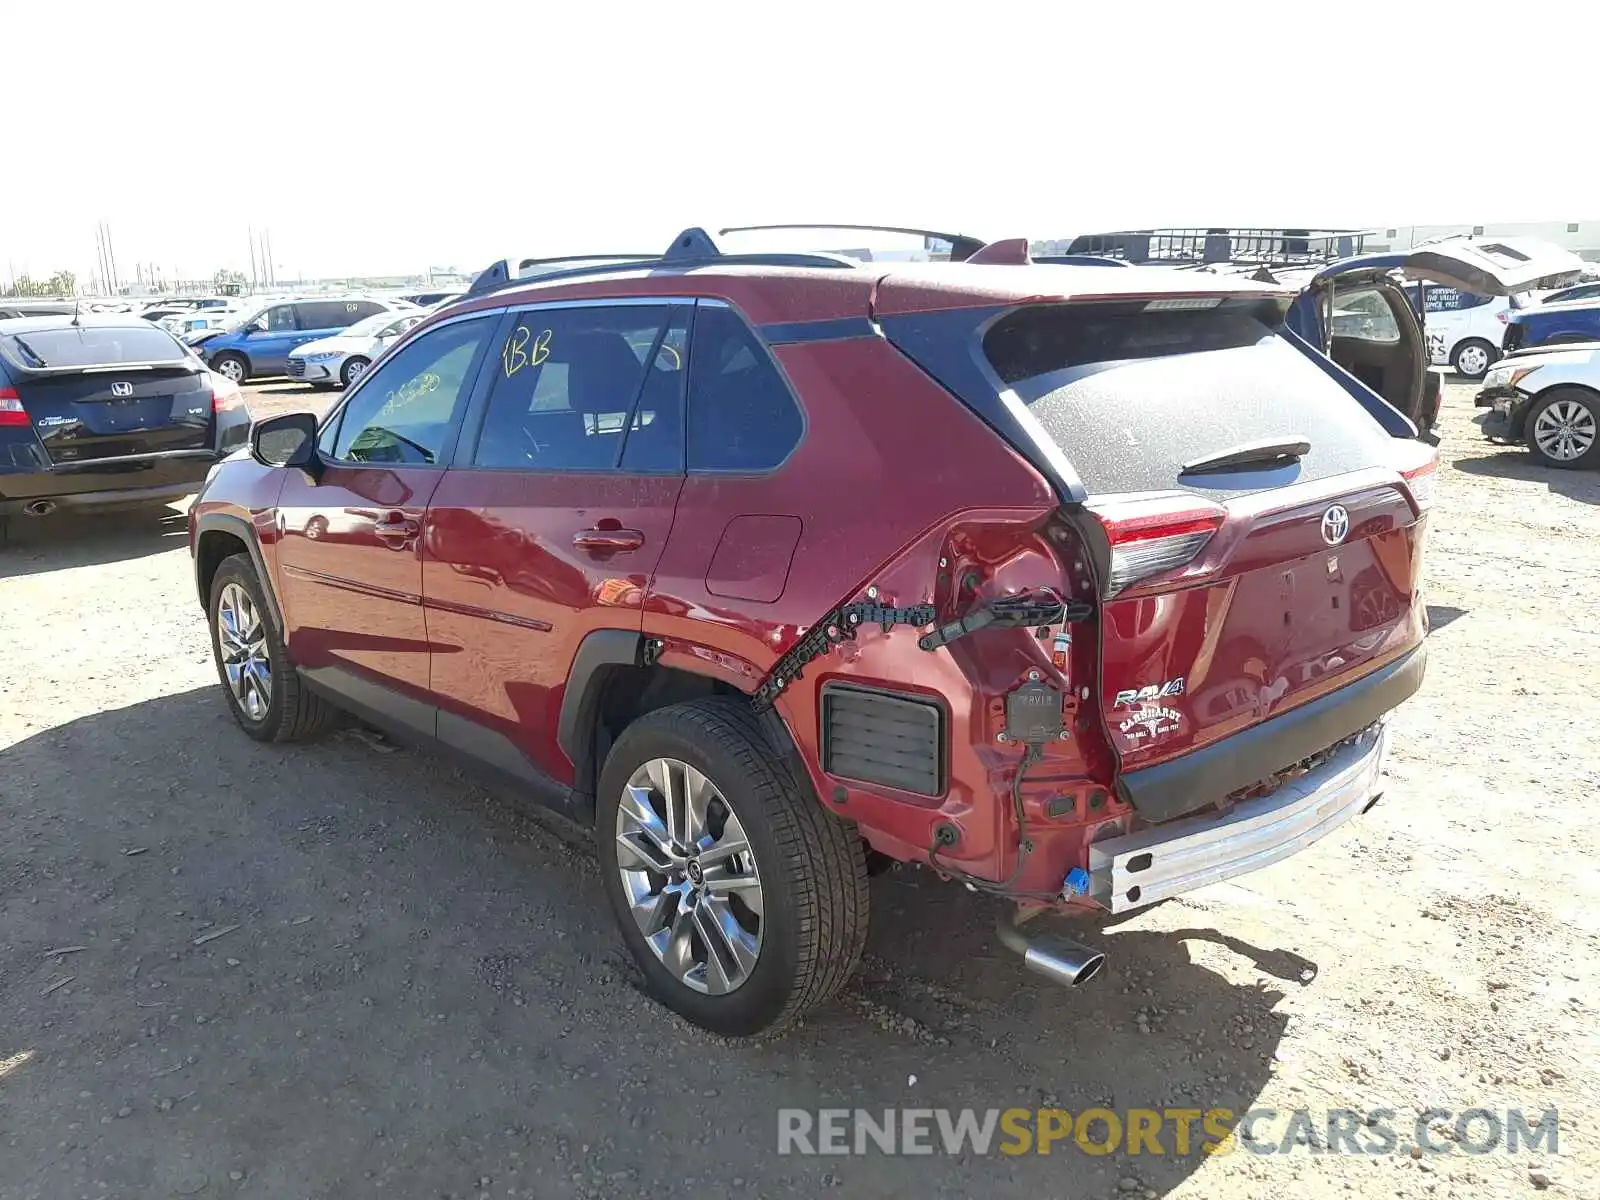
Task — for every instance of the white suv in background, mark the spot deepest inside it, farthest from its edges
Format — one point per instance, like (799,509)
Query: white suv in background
(1464,330)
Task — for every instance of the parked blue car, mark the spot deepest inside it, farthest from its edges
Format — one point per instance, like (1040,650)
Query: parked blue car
(260,343)
(1553,325)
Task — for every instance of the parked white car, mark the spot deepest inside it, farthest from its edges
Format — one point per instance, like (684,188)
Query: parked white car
(342,358)
(1464,330)
(1547,398)
(208,318)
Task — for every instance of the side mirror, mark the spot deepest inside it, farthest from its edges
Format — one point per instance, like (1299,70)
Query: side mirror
(287,441)
(254,328)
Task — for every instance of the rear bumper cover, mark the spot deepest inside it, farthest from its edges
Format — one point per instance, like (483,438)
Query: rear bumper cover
(1207,776)
(137,479)
(1154,864)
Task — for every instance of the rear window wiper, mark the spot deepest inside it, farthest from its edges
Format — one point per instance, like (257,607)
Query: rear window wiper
(1270,452)
(21,344)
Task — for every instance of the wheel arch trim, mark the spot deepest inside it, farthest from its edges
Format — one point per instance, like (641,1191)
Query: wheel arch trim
(241,529)
(579,713)
(599,649)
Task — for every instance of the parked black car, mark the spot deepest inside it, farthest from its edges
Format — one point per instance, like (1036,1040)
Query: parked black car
(102,411)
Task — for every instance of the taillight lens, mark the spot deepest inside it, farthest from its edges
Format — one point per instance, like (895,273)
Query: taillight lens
(1153,535)
(1422,481)
(11,411)
(225,395)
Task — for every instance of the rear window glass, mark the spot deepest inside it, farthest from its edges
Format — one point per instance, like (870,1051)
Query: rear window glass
(90,346)
(1130,395)
(1364,315)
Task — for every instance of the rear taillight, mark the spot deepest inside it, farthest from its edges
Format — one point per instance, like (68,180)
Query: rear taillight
(1422,479)
(1503,316)
(1153,535)
(11,411)
(225,395)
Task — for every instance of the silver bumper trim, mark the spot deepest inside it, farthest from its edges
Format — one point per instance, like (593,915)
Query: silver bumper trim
(1138,869)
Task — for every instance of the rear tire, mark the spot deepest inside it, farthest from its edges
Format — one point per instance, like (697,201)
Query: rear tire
(354,367)
(232,367)
(262,689)
(805,870)
(1473,357)
(1562,429)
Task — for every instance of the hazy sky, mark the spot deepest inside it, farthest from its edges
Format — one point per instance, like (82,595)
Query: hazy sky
(389,137)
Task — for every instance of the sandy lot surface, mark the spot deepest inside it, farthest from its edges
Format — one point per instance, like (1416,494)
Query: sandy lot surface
(340,970)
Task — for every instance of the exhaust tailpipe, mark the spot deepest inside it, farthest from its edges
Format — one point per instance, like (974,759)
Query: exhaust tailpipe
(1058,959)
(39,508)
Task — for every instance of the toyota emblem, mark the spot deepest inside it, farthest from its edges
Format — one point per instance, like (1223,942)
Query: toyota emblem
(122,389)
(1335,525)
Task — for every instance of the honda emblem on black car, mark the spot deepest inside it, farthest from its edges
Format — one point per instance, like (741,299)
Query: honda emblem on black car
(1335,525)
(122,389)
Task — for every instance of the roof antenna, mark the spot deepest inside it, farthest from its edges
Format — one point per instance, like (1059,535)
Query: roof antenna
(77,311)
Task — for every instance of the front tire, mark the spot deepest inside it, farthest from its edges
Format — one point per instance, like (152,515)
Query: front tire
(1562,429)
(354,368)
(743,902)
(259,683)
(232,367)
(1473,358)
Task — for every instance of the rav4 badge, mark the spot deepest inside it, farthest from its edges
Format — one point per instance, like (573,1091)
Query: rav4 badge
(1139,697)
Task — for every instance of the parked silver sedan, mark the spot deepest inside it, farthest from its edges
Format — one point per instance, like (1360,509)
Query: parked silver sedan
(1548,398)
(341,359)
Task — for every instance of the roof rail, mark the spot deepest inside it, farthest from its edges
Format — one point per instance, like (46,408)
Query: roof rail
(693,247)
(1220,244)
(1080,260)
(499,274)
(962,245)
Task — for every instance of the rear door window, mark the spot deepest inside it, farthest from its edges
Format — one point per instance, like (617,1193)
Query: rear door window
(1130,394)
(1448,299)
(589,389)
(742,416)
(334,314)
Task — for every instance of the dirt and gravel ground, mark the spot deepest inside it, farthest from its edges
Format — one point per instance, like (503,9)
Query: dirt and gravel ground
(340,970)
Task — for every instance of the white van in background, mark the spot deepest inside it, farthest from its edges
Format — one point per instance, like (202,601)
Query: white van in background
(1464,330)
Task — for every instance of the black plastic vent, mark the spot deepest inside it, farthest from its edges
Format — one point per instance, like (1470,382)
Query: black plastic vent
(878,737)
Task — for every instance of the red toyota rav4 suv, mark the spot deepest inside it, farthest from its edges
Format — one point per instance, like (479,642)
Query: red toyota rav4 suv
(1083,587)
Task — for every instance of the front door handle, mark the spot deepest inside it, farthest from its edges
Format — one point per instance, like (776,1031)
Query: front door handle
(397,530)
(608,539)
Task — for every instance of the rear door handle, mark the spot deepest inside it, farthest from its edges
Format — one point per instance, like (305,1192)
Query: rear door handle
(397,530)
(608,539)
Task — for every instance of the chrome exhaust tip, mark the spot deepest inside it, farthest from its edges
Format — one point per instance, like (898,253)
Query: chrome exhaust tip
(39,508)
(1058,959)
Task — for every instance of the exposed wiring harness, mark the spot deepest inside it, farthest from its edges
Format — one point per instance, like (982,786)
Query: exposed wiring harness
(1030,755)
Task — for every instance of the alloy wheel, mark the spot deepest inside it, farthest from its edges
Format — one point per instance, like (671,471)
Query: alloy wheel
(242,646)
(1565,430)
(353,371)
(690,876)
(231,368)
